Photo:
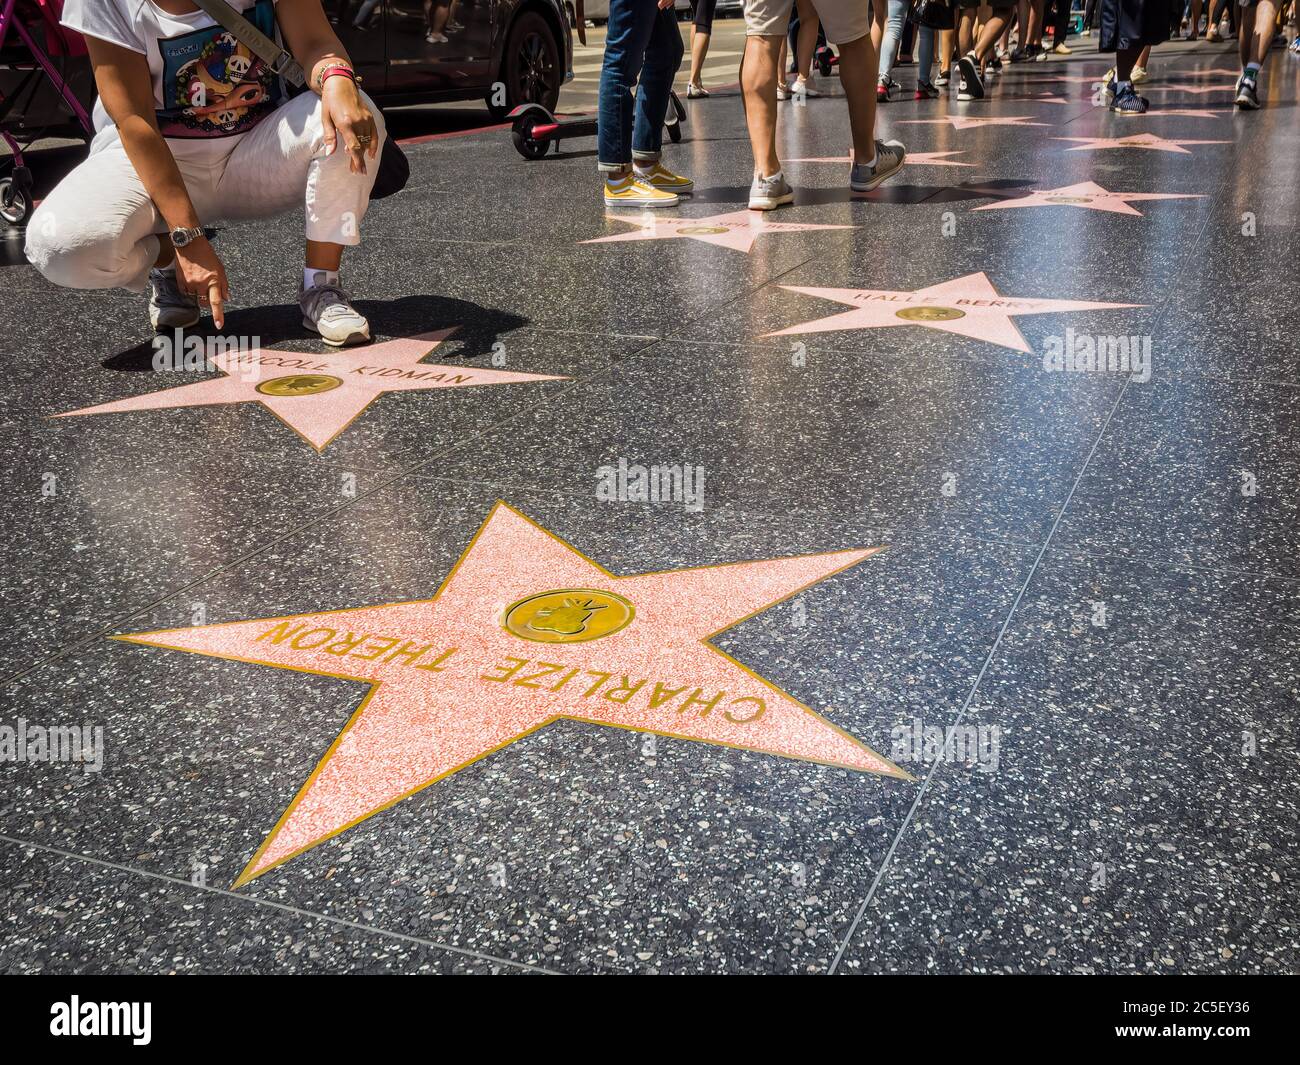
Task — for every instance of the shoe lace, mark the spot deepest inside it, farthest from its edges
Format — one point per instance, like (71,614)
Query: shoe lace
(167,291)
(322,300)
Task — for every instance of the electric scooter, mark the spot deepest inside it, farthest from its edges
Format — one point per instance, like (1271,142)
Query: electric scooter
(534,129)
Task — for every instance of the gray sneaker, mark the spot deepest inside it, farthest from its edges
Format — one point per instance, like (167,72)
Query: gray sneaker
(327,311)
(169,307)
(769,193)
(889,161)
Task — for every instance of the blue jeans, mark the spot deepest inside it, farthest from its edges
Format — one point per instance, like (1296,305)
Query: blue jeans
(895,16)
(641,43)
(924,53)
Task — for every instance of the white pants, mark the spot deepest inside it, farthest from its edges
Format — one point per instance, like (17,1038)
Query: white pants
(97,228)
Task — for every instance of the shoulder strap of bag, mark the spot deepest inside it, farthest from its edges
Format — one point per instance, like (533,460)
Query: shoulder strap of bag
(281,62)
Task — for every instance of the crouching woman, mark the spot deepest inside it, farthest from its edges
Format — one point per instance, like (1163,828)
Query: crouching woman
(195,128)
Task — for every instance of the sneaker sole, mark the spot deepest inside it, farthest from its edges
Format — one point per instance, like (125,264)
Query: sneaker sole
(162,327)
(1245,103)
(672,202)
(352,339)
(770,203)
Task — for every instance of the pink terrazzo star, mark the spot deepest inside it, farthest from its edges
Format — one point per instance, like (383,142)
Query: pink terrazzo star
(967,122)
(1177,112)
(736,230)
(1035,98)
(1146,141)
(452,679)
(1192,90)
(911,159)
(969,306)
(1089,196)
(319,395)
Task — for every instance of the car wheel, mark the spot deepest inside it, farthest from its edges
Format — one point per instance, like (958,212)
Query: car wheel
(530,65)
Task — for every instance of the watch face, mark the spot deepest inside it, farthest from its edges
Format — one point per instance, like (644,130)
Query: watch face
(180,237)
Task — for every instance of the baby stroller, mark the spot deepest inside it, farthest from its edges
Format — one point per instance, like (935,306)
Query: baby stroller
(39,61)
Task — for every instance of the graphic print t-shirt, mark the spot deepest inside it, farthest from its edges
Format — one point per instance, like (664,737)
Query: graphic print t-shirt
(205,83)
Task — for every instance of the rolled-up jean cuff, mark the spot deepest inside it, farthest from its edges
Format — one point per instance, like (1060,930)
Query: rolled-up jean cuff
(643,158)
(613,168)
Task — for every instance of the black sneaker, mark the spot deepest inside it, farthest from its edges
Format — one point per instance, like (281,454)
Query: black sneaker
(972,85)
(1247,94)
(1126,101)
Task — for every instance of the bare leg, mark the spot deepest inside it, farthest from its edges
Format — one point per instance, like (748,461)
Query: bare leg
(1036,21)
(859,66)
(989,34)
(965,30)
(322,256)
(758,74)
(699,51)
(166,253)
(1265,19)
(807,39)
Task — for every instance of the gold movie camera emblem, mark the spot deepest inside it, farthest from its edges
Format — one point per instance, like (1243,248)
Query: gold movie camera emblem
(568,615)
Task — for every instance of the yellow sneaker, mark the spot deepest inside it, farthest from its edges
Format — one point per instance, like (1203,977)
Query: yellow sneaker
(626,191)
(1062,49)
(662,178)
(1139,75)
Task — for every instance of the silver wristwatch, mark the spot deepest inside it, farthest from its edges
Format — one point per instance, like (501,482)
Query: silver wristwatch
(182,236)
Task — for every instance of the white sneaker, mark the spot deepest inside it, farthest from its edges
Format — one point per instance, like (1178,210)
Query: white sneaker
(327,311)
(769,193)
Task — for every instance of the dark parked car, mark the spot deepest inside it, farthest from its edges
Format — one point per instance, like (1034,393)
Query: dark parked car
(504,52)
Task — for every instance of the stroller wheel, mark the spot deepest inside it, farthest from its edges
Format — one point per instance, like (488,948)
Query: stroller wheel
(824,64)
(15,202)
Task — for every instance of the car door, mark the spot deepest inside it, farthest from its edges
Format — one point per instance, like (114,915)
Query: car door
(440,45)
(360,27)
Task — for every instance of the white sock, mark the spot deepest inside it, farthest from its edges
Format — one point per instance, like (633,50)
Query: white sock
(773,177)
(309,277)
(872,161)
